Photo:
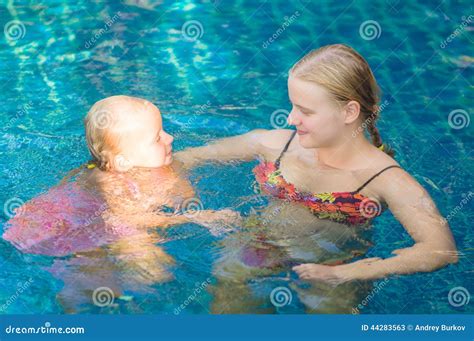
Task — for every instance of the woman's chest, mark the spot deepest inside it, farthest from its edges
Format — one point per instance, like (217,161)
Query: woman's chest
(306,174)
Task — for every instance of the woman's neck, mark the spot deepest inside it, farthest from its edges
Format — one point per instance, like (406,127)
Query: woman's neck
(350,154)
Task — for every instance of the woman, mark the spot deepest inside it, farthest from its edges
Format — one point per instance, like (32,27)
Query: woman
(331,169)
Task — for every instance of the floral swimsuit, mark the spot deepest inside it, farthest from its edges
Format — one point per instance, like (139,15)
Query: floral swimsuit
(350,208)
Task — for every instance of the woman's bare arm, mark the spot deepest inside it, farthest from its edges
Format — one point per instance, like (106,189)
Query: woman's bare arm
(243,147)
(411,204)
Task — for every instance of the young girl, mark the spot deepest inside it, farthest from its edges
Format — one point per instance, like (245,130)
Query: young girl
(330,177)
(105,213)
(130,185)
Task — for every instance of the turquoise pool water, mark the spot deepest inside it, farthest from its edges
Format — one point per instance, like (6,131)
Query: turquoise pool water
(223,76)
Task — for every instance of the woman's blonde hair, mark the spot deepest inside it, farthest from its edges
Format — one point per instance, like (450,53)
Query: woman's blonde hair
(348,77)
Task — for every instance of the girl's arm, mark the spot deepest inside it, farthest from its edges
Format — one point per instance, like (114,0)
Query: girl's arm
(144,220)
(206,218)
(411,204)
(241,147)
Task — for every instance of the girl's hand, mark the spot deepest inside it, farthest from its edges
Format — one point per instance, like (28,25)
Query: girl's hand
(334,275)
(318,272)
(228,217)
(217,221)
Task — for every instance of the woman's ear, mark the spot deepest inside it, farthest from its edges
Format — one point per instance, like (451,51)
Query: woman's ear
(351,111)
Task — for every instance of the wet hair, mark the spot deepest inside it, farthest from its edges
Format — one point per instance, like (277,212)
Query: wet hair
(347,76)
(102,142)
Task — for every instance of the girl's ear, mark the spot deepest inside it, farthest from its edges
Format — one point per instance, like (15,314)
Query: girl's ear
(352,111)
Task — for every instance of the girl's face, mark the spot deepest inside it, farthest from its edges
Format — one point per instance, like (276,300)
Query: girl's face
(146,143)
(317,117)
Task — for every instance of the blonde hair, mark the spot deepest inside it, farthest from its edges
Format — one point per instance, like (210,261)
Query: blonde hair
(102,140)
(348,77)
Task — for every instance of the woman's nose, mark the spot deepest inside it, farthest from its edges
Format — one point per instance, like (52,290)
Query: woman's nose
(293,118)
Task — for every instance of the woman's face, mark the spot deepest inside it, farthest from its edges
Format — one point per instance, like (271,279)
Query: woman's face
(317,117)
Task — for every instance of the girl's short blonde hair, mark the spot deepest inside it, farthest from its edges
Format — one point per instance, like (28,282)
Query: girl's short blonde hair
(102,139)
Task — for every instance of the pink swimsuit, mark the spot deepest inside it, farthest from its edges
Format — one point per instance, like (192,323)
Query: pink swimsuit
(65,220)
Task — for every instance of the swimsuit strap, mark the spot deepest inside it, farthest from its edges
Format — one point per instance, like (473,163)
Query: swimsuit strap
(374,176)
(277,162)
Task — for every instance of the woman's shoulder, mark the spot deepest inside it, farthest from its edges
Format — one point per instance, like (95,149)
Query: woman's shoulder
(272,138)
(378,159)
(389,177)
